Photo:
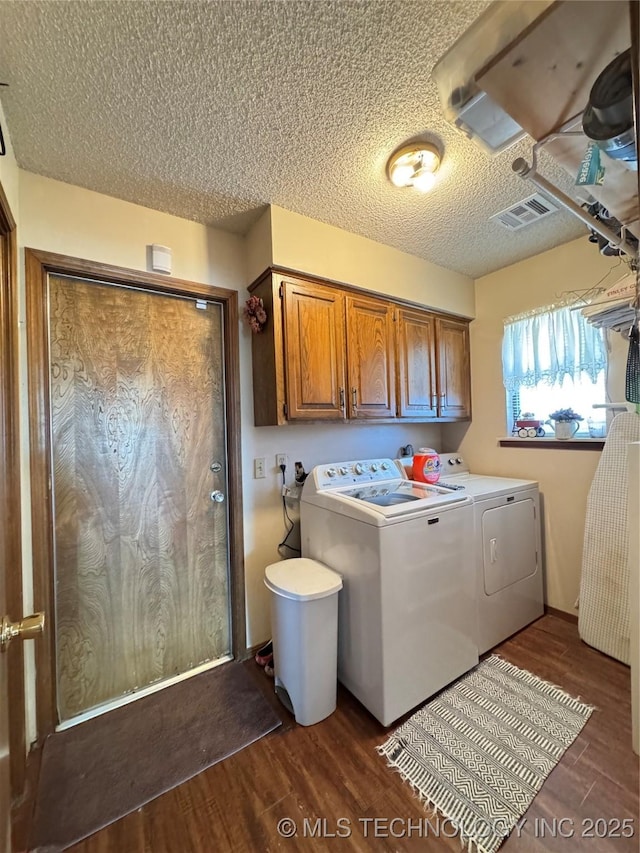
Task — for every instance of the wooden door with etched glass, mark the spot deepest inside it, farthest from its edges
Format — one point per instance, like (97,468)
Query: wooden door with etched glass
(138,446)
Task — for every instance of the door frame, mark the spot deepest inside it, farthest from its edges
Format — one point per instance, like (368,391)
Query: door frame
(11,559)
(38,266)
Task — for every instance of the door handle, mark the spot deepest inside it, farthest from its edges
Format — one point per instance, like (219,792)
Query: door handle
(494,550)
(342,399)
(25,629)
(354,398)
(217,496)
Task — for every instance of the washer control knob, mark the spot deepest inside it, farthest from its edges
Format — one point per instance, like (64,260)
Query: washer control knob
(374,466)
(385,466)
(359,468)
(331,472)
(452,461)
(343,470)
(458,461)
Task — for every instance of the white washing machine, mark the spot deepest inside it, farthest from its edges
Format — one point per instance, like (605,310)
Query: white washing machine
(507,547)
(406,613)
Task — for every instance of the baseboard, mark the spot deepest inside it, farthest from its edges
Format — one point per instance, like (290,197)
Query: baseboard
(253,649)
(561,614)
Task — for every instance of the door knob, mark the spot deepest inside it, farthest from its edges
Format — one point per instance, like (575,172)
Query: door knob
(25,629)
(217,496)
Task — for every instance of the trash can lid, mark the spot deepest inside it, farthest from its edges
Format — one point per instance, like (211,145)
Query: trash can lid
(301,579)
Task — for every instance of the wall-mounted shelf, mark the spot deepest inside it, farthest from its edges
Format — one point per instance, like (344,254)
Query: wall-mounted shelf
(543,78)
(551,443)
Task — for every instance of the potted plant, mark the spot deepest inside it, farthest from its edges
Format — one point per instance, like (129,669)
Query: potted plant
(565,423)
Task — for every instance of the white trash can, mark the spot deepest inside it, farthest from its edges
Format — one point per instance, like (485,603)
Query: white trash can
(304,622)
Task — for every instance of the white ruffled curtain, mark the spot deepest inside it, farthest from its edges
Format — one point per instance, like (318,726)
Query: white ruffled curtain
(549,344)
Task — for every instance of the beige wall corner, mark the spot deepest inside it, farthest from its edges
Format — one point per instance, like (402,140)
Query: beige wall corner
(320,249)
(564,476)
(9,169)
(258,244)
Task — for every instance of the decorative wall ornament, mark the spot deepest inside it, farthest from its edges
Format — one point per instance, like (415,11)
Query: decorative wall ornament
(254,314)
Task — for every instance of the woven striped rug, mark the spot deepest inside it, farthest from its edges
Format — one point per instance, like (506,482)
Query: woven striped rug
(480,751)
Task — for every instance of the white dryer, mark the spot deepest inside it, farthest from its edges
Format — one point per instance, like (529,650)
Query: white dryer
(406,613)
(507,548)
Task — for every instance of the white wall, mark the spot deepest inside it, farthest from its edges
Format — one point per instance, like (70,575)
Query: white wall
(61,218)
(564,475)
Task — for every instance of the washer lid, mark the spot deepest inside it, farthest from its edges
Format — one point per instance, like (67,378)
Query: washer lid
(301,579)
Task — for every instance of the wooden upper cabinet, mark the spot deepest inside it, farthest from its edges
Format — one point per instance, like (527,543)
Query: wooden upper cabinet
(314,350)
(454,391)
(331,353)
(370,358)
(417,388)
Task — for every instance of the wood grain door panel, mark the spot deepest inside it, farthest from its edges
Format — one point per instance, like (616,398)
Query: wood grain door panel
(454,390)
(371,358)
(141,552)
(417,387)
(314,351)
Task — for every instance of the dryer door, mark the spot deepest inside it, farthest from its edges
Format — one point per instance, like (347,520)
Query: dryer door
(509,544)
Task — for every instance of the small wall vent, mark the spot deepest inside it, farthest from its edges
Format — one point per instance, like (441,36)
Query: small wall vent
(524,212)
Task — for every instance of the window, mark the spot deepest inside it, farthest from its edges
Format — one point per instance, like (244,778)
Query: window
(553,359)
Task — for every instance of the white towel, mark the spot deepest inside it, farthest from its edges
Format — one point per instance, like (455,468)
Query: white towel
(603,620)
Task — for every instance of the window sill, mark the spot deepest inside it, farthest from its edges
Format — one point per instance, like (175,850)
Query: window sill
(551,443)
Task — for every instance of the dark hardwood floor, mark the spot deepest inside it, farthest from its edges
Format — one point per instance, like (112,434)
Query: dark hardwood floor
(331,771)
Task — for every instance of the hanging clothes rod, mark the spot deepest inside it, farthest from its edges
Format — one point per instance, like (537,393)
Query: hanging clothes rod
(629,407)
(530,173)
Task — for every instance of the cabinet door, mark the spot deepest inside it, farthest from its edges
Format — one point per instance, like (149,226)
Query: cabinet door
(314,351)
(370,358)
(454,385)
(417,394)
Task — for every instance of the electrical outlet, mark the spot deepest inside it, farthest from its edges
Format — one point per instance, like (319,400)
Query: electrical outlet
(258,468)
(281,459)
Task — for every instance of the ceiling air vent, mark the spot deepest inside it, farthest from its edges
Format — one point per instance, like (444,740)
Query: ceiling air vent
(525,212)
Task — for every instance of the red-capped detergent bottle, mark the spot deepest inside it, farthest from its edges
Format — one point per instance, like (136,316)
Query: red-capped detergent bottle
(426,465)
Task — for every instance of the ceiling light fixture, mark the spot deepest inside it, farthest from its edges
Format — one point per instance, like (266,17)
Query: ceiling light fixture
(414,165)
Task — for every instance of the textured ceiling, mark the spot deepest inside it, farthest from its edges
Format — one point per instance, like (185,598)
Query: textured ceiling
(210,110)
